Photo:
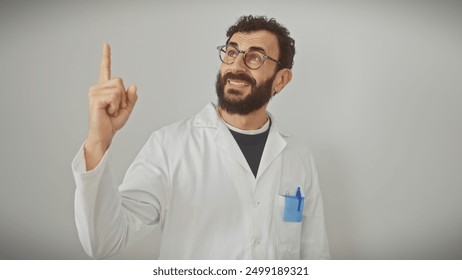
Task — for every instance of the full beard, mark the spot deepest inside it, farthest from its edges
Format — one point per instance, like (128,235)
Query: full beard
(259,95)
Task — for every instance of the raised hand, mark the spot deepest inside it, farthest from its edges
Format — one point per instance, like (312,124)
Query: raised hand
(110,106)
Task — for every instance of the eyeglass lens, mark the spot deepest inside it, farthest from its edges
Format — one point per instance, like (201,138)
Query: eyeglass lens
(252,59)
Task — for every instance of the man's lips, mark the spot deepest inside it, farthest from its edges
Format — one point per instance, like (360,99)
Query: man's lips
(237,83)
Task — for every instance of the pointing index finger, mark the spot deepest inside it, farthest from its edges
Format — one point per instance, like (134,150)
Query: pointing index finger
(105,68)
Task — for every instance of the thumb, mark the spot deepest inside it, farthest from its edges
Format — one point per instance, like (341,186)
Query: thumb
(131,96)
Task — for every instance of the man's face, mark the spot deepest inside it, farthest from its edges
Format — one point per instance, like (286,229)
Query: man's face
(241,90)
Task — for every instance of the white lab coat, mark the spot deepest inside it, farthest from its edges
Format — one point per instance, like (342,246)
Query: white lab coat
(192,179)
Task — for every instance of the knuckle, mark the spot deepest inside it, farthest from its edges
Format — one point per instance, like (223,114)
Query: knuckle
(119,81)
(92,89)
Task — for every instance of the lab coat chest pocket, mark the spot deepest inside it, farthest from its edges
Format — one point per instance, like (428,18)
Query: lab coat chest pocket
(288,226)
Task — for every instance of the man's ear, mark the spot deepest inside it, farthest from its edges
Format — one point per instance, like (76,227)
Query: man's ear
(283,77)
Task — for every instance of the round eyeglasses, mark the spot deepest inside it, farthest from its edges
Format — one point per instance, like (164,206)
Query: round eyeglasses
(253,59)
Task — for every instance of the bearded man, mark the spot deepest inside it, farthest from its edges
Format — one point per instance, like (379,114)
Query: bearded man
(226,183)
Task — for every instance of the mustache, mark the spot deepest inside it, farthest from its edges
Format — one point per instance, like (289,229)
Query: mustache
(240,76)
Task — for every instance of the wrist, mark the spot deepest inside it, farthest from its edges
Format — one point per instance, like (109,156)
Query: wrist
(94,152)
(96,145)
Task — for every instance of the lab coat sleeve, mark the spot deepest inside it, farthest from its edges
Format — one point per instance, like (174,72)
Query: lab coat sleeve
(314,242)
(110,219)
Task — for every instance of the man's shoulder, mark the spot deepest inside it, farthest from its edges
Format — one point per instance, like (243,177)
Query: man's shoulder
(297,146)
(184,127)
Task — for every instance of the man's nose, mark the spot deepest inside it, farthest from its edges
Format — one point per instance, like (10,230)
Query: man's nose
(239,63)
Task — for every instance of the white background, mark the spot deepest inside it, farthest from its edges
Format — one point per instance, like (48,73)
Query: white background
(376,94)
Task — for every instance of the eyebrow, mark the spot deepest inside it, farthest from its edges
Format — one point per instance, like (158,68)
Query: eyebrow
(234,44)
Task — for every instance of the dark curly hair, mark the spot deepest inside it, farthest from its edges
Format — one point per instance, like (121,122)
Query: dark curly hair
(256,23)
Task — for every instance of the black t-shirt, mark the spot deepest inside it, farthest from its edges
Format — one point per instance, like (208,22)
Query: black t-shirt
(252,147)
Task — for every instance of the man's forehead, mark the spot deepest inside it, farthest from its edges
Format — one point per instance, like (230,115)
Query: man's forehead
(260,39)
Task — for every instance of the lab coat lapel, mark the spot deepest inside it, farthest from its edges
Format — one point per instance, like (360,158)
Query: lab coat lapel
(227,144)
(224,140)
(275,144)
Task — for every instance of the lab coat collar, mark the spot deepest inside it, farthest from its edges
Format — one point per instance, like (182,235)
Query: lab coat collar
(275,143)
(208,117)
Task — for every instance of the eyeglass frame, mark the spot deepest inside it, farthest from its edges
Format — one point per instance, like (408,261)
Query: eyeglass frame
(265,56)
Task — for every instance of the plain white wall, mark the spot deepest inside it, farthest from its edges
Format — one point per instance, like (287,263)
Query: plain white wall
(376,95)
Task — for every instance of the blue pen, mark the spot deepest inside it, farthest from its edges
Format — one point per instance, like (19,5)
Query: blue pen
(298,195)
